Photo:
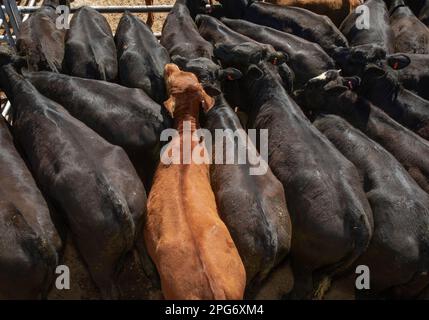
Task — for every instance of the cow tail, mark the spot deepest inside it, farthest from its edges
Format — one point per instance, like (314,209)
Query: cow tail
(362,235)
(150,15)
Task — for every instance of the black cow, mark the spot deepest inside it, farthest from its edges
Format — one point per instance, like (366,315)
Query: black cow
(330,93)
(137,278)
(91,182)
(307,59)
(411,35)
(29,241)
(354,60)
(181,38)
(90,50)
(378,31)
(253,207)
(300,22)
(255,212)
(398,255)
(217,33)
(331,217)
(40,40)
(406,107)
(412,71)
(180,34)
(126,117)
(141,57)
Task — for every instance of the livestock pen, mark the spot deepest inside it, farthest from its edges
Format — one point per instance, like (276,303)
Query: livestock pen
(13,13)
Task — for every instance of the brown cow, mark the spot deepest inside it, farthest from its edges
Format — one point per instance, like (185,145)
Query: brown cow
(336,10)
(190,245)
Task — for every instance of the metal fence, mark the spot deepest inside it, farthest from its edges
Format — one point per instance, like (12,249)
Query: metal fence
(12,15)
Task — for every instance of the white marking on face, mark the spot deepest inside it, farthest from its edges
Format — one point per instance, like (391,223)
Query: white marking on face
(323,76)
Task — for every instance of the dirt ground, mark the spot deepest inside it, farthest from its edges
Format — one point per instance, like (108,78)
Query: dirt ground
(114,18)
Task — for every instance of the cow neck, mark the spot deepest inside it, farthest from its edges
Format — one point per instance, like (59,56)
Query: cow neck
(221,116)
(10,81)
(220,103)
(186,110)
(267,88)
(354,109)
(412,102)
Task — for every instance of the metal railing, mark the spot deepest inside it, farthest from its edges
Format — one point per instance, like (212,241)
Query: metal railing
(109,9)
(11,15)
(11,20)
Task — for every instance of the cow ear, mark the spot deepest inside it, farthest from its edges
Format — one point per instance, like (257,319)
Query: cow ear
(170,68)
(278,58)
(398,61)
(335,89)
(352,82)
(207,102)
(229,74)
(212,91)
(222,51)
(287,75)
(170,105)
(179,60)
(254,72)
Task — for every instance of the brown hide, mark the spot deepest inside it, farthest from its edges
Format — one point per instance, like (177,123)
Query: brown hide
(336,10)
(194,253)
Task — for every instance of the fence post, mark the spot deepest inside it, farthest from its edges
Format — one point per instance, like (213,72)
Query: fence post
(7,28)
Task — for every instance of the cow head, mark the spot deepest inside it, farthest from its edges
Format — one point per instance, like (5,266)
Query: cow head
(323,93)
(209,73)
(186,94)
(398,61)
(9,56)
(250,53)
(379,84)
(196,6)
(392,5)
(235,8)
(353,61)
(247,53)
(56,3)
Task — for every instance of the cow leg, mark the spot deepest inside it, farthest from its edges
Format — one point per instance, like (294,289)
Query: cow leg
(412,289)
(27,259)
(133,281)
(276,286)
(82,286)
(138,278)
(424,295)
(303,282)
(150,16)
(342,288)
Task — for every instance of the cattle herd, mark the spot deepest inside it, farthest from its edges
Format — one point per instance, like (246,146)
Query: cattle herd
(342,88)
